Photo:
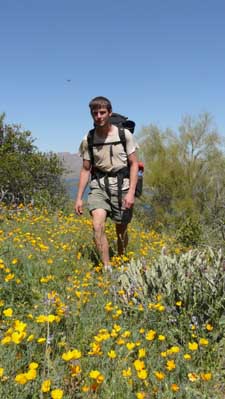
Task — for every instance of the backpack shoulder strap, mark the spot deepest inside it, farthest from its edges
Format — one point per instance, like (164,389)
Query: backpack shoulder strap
(90,141)
(123,137)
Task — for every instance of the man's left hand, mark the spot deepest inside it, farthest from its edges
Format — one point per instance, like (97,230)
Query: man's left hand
(128,201)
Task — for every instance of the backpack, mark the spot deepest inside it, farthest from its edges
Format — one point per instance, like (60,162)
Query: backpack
(122,122)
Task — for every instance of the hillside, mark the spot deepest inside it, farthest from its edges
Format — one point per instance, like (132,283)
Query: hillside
(152,328)
(72,162)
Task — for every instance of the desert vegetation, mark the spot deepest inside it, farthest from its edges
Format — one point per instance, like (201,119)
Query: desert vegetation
(154,327)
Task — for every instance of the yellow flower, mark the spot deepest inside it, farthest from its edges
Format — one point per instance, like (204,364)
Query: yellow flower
(100,379)
(142,374)
(33,365)
(45,386)
(52,317)
(96,349)
(150,335)
(109,307)
(159,375)
(193,346)
(130,346)
(126,334)
(139,365)
(19,326)
(71,355)
(9,277)
(31,374)
(14,261)
(7,270)
(203,341)
(1,371)
(193,377)
(120,341)
(170,365)
(2,303)
(85,388)
(8,312)
(117,327)
(41,319)
(140,395)
(75,370)
(6,340)
(209,327)
(141,353)
(161,337)
(112,354)
(57,394)
(206,376)
(174,387)
(127,372)
(94,374)
(17,337)
(173,349)
(41,340)
(30,338)
(21,379)
(117,314)
(178,303)
(187,356)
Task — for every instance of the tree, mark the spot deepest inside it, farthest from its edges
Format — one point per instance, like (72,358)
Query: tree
(184,171)
(26,174)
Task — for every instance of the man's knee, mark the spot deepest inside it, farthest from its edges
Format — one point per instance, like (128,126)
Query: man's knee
(98,220)
(98,226)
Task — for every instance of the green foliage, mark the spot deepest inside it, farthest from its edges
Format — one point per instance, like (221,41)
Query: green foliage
(27,175)
(189,232)
(185,174)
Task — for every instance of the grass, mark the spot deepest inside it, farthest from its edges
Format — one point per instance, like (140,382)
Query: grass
(69,330)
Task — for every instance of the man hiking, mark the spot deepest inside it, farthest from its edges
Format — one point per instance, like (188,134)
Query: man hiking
(113,168)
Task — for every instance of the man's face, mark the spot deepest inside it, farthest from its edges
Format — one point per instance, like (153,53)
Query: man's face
(101,116)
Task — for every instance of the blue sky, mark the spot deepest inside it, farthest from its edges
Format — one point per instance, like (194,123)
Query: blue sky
(155,60)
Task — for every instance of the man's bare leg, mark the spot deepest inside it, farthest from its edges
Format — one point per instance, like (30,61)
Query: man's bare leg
(98,220)
(122,238)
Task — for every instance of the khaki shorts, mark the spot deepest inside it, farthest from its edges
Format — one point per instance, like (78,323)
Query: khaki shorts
(99,199)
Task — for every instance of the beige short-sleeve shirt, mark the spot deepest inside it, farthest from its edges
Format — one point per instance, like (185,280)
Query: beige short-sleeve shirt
(109,158)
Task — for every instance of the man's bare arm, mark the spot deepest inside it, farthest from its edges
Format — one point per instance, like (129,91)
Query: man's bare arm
(83,181)
(133,162)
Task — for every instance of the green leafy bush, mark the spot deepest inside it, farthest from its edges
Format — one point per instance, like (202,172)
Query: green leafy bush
(28,175)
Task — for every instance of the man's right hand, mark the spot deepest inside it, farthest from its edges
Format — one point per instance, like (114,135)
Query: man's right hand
(78,207)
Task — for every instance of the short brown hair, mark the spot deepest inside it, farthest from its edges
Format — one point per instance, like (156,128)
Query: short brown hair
(99,102)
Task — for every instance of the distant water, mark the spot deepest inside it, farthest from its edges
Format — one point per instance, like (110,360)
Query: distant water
(71,185)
